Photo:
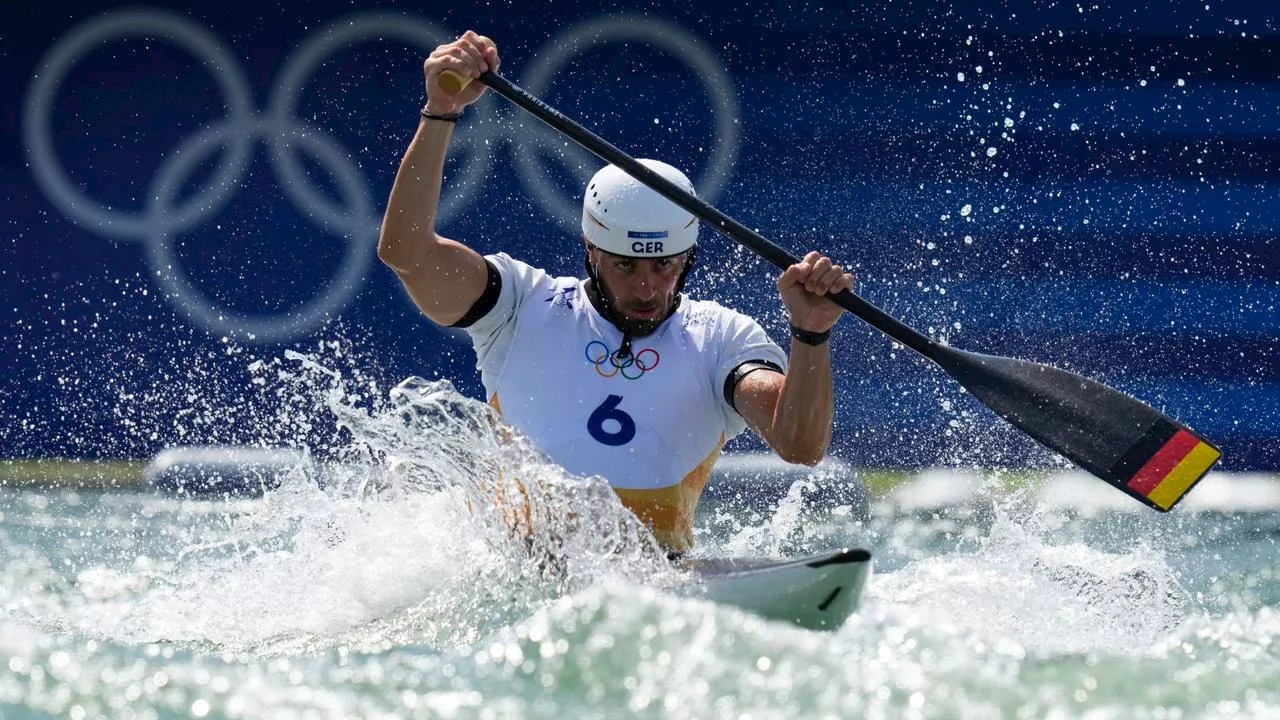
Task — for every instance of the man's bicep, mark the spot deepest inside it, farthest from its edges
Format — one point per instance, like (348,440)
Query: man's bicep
(447,291)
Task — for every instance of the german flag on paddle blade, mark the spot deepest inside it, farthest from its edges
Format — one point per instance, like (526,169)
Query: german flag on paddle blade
(1164,464)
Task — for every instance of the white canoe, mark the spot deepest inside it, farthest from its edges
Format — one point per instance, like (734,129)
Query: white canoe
(818,592)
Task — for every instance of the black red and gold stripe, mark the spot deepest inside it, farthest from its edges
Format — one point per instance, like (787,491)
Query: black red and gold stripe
(1164,464)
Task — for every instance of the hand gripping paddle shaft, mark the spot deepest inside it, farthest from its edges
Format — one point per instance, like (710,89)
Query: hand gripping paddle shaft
(1117,438)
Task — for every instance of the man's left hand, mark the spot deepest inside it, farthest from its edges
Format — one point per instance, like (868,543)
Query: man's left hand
(803,287)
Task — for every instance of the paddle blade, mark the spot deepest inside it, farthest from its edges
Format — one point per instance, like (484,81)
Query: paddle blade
(1121,440)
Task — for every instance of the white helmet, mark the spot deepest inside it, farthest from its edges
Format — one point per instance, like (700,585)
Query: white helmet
(623,216)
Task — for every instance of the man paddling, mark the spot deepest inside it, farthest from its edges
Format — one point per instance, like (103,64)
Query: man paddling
(619,374)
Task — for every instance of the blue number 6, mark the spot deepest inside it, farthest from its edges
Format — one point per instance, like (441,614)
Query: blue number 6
(608,410)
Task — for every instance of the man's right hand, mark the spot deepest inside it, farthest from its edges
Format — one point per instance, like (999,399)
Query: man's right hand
(468,56)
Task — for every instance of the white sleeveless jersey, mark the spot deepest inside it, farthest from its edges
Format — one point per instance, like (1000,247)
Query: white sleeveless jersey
(652,425)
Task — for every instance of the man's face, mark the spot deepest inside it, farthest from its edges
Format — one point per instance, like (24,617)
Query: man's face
(642,291)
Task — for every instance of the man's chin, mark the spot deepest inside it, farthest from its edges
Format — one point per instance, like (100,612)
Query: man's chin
(641,327)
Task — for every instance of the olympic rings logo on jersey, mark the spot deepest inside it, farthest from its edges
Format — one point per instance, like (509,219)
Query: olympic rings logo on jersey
(609,363)
(169,211)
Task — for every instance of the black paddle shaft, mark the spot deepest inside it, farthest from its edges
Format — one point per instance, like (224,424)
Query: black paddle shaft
(1121,440)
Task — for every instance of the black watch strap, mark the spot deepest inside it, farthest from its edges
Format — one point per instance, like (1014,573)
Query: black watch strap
(808,337)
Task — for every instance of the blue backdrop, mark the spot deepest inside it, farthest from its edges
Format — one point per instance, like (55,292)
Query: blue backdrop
(192,189)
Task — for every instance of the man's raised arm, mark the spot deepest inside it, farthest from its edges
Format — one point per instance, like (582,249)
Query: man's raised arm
(443,277)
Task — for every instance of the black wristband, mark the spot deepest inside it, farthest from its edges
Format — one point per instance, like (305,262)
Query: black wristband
(447,117)
(808,337)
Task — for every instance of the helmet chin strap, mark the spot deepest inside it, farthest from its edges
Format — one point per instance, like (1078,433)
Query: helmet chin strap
(611,313)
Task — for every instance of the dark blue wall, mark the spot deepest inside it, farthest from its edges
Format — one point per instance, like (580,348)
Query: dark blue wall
(193,189)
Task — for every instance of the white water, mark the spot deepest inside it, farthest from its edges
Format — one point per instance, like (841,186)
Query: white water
(387,584)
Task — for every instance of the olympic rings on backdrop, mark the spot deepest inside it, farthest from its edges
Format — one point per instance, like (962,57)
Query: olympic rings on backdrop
(166,215)
(630,366)
(163,218)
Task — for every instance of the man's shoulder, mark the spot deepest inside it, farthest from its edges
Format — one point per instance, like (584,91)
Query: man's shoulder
(508,265)
(526,275)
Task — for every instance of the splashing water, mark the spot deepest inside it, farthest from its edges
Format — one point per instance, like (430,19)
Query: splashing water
(430,521)
(1048,599)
